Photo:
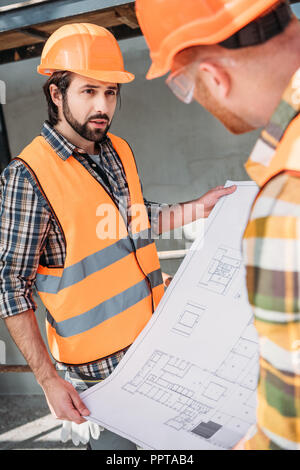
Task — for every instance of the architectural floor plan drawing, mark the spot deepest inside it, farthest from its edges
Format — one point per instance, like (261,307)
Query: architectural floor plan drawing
(188,319)
(189,380)
(201,406)
(224,265)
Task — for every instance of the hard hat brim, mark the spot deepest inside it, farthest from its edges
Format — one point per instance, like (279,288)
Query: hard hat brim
(155,72)
(101,75)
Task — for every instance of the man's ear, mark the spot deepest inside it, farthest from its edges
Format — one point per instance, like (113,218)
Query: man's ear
(55,94)
(216,78)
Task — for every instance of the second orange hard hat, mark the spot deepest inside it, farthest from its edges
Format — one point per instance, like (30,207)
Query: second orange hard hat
(86,49)
(170,26)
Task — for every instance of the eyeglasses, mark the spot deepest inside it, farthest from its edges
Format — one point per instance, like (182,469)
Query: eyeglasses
(182,81)
(182,84)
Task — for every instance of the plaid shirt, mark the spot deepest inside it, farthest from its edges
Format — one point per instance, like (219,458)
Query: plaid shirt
(272,258)
(30,235)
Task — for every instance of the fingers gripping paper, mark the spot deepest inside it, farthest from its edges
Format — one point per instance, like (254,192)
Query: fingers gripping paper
(189,380)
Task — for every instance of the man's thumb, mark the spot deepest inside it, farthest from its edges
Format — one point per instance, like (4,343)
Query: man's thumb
(79,405)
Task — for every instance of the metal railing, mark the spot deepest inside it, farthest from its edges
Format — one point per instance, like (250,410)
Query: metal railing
(173,254)
(14,368)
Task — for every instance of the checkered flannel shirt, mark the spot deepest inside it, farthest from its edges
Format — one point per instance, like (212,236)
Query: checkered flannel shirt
(272,258)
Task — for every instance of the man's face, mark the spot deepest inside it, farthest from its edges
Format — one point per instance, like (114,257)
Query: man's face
(207,93)
(89,106)
(234,123)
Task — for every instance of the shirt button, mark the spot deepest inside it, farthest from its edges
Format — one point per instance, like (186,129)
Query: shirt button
(94,165)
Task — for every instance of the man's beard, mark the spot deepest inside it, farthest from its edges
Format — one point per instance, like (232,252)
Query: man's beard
(235,124)
(93,135)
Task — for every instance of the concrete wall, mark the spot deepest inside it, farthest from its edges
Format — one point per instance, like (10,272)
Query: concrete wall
(181,150)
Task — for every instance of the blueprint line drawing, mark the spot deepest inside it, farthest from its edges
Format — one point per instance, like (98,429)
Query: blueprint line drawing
(224,265)
(198,405)
(189,319)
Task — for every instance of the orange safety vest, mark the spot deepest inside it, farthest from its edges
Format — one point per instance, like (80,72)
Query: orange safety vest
(111,282)
(285,158)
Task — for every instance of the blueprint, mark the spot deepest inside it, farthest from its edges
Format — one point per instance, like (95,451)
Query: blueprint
(189,380)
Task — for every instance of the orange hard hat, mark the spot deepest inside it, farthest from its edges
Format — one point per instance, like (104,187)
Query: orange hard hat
(87,49)
(170,26)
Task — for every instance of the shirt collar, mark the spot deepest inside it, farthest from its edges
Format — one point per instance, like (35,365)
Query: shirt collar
(62,147)
(264,161)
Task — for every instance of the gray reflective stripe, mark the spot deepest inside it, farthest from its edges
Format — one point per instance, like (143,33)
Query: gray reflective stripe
(77,272)
(101,312)
(142,238)
(155,278)
(91,264)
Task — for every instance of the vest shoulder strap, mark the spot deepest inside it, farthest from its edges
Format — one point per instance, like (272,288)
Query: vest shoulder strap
(130,167)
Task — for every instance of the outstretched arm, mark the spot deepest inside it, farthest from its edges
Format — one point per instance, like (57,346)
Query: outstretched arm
(172,217)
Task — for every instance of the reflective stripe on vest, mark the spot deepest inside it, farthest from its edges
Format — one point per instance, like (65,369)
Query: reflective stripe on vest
(106,310)
(105,294)
(92,263)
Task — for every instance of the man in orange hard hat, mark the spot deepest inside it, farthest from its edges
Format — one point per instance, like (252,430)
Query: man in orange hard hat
(240,59)
(74,223)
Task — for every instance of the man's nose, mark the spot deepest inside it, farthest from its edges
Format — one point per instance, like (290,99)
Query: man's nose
(101,104)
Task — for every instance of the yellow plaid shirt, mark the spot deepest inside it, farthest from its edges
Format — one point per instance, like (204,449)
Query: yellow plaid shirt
(272,258)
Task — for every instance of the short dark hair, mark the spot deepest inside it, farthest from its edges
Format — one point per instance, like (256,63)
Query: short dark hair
(62,80)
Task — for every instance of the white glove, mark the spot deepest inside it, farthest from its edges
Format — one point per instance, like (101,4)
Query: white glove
(79,433)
